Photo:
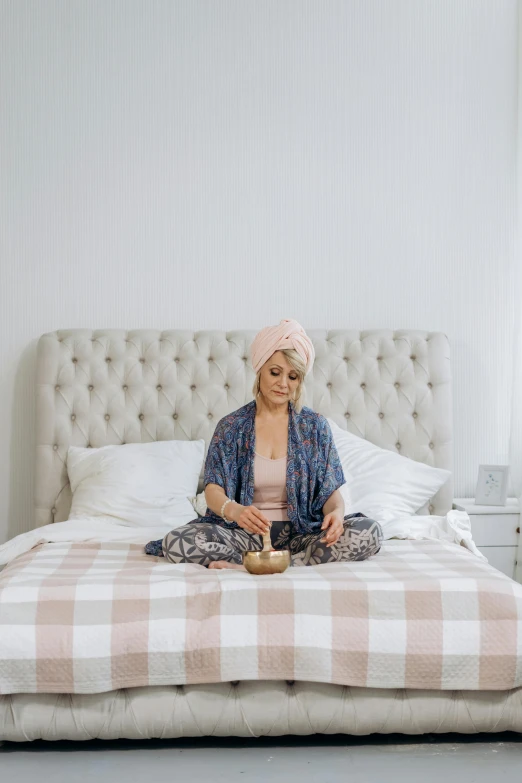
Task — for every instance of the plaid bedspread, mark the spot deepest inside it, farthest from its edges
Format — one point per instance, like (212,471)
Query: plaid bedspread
(94,617)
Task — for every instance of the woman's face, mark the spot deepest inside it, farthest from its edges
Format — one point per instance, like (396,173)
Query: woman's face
(278,375)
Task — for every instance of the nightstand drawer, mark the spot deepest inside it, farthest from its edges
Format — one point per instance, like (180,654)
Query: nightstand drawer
(503,558)
(495,531)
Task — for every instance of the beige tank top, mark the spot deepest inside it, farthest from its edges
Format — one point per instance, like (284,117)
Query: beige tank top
(270,487)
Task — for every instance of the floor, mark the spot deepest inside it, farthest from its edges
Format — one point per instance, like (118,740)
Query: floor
(428,758)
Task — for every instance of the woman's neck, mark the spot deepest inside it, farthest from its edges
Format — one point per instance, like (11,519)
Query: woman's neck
(274,411)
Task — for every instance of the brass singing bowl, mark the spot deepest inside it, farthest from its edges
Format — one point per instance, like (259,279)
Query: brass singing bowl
(262,561)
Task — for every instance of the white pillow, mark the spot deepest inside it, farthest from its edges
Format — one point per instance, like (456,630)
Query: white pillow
(136,484)
(381,484)
(199,504)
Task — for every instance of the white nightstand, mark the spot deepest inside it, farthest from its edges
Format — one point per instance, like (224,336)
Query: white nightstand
(496,532)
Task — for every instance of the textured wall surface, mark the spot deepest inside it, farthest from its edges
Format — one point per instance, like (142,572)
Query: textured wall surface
(222,165)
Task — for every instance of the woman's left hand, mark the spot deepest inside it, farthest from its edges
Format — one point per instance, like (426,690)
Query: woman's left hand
(333,524)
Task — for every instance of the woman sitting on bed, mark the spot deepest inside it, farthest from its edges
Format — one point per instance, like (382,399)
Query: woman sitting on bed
(272,464)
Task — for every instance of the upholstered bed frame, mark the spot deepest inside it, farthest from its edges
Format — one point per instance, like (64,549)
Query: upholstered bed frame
(109,387)
(112,386)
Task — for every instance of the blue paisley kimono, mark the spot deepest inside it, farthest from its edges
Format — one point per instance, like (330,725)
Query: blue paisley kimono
(313,468)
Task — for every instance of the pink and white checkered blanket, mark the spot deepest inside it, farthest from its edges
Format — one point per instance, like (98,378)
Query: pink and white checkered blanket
(91,617)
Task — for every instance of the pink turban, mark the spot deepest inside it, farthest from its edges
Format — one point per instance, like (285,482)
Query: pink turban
(287,334)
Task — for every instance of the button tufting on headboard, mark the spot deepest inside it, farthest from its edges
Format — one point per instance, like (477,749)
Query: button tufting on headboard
(125,367)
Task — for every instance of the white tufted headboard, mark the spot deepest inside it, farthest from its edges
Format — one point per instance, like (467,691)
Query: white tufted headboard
(102,387)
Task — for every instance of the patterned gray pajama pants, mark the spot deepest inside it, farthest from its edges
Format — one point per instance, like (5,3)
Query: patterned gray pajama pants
(202,542)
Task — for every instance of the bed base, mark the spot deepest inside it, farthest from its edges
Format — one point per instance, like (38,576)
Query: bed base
(254,709)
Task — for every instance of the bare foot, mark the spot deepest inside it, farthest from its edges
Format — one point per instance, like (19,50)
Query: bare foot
(226,564)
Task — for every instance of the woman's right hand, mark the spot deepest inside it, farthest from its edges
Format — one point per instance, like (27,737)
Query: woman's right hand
(252,520)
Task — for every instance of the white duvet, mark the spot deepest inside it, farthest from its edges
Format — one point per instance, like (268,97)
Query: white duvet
(454,527)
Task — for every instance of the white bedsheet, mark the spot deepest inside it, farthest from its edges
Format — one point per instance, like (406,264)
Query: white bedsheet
(455,528)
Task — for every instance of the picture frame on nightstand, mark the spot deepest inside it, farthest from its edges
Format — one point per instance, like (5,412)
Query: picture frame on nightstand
(492,485)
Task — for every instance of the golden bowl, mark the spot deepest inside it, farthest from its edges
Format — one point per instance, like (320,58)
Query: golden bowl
(273,561)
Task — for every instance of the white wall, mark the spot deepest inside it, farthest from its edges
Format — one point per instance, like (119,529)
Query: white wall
(227,163)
